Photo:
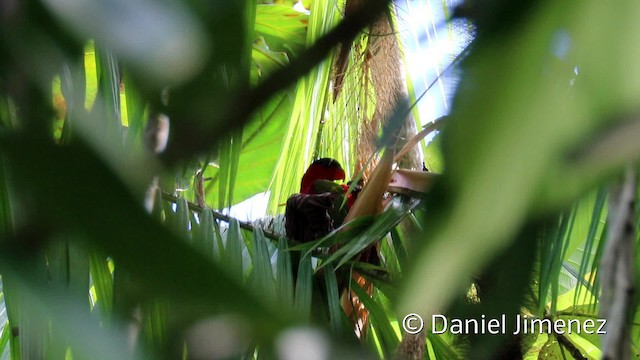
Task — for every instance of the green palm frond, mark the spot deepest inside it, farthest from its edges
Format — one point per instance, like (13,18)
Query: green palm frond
(519,222)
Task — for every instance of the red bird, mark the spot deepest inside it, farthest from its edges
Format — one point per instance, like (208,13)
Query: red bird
(317,210)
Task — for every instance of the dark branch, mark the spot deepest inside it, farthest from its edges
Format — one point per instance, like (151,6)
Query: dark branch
(249,101)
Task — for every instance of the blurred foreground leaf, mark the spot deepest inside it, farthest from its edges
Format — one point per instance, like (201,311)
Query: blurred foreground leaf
(77,192)
(516,119)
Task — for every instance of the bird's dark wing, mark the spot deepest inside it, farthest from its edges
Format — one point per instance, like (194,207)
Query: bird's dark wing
(309,216)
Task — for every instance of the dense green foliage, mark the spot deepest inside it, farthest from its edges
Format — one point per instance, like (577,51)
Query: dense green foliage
(544,122)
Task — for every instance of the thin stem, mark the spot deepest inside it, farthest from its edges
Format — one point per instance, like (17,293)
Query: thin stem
(219,216)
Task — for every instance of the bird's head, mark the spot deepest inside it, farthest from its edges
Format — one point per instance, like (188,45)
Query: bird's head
(321,169)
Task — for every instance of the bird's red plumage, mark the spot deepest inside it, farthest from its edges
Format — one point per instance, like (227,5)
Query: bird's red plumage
(322,169)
